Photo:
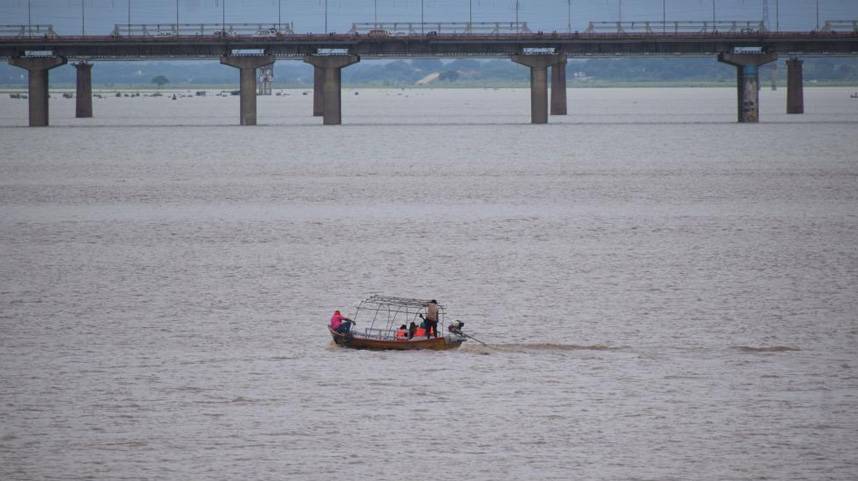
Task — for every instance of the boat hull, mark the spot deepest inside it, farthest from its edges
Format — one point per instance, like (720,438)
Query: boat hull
(435,343)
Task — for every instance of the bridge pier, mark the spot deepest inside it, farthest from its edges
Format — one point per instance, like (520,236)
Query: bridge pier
(795,86)
(247,65)
(331,67)
(538,83)
(318,94)
(558,87)
(38,85)
(83,96)
(748,81)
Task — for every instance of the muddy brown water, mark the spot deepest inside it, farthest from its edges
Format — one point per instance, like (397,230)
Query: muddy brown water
(665,294)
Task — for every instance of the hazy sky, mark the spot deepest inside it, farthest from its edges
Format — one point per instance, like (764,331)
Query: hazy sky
(308,15)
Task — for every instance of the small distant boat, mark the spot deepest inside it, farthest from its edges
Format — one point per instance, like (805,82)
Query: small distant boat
(386,315)
(854,96)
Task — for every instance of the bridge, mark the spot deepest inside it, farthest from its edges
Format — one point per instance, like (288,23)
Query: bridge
(248,47)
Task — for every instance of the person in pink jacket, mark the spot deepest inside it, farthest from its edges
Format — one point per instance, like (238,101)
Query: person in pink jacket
(340,323)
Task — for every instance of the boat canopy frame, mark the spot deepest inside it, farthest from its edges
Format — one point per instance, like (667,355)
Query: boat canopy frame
(391,312)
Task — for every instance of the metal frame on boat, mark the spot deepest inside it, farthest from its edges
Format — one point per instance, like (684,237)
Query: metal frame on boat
(384,314)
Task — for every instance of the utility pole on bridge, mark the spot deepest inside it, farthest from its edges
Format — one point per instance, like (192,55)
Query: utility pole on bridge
(777,15)
(569,15)
(817,14)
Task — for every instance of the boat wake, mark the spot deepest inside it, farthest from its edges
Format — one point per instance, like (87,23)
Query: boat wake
(766,348)
(537,346)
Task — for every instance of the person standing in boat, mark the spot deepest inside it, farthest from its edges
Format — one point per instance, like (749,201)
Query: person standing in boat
(340,323)
(431,318)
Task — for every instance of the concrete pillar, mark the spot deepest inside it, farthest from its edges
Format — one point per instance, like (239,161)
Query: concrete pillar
(318,94)
(38,85)
(558,88)
(748,81)
(538,83)
(247,65)
(748,85)
(331,67)
(83,97)
(795,86)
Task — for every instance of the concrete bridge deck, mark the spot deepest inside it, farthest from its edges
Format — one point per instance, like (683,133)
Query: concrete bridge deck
(330,53)
(449,45)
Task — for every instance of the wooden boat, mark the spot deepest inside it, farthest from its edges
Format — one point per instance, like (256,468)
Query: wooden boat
(358,341)
(386,315)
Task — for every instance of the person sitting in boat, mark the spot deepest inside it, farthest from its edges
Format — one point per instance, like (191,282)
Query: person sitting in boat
(423,329)
(456,327)
(402,333)
(340,323)
(419,331)
(412,328)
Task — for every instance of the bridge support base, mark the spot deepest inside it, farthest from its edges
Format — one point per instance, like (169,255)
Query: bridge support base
(318,94)
(247,65)
(83,96)
(331,67)
(38,85)
(748,81)
(558,88)
(795,86)
(538,83)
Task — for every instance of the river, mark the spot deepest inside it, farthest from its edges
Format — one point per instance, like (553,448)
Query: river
(665,294)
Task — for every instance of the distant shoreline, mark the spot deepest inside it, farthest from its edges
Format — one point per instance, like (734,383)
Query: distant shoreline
(445,86)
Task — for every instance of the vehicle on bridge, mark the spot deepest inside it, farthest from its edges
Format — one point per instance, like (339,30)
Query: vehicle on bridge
(378,33)
(268,32)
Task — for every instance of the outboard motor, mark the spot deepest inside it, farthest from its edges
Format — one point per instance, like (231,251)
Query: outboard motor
(456,327)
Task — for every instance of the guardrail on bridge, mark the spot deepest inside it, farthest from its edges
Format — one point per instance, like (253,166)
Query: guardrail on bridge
(21,31)
(840,26)
(676,27)
(203,29)
(415,28)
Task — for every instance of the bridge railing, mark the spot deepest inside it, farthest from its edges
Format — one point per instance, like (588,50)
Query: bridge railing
(22,31)
(446,28)
(738,26)
(840,26)
(202,29)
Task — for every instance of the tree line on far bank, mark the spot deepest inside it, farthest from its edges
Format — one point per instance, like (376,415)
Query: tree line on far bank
(460,71)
